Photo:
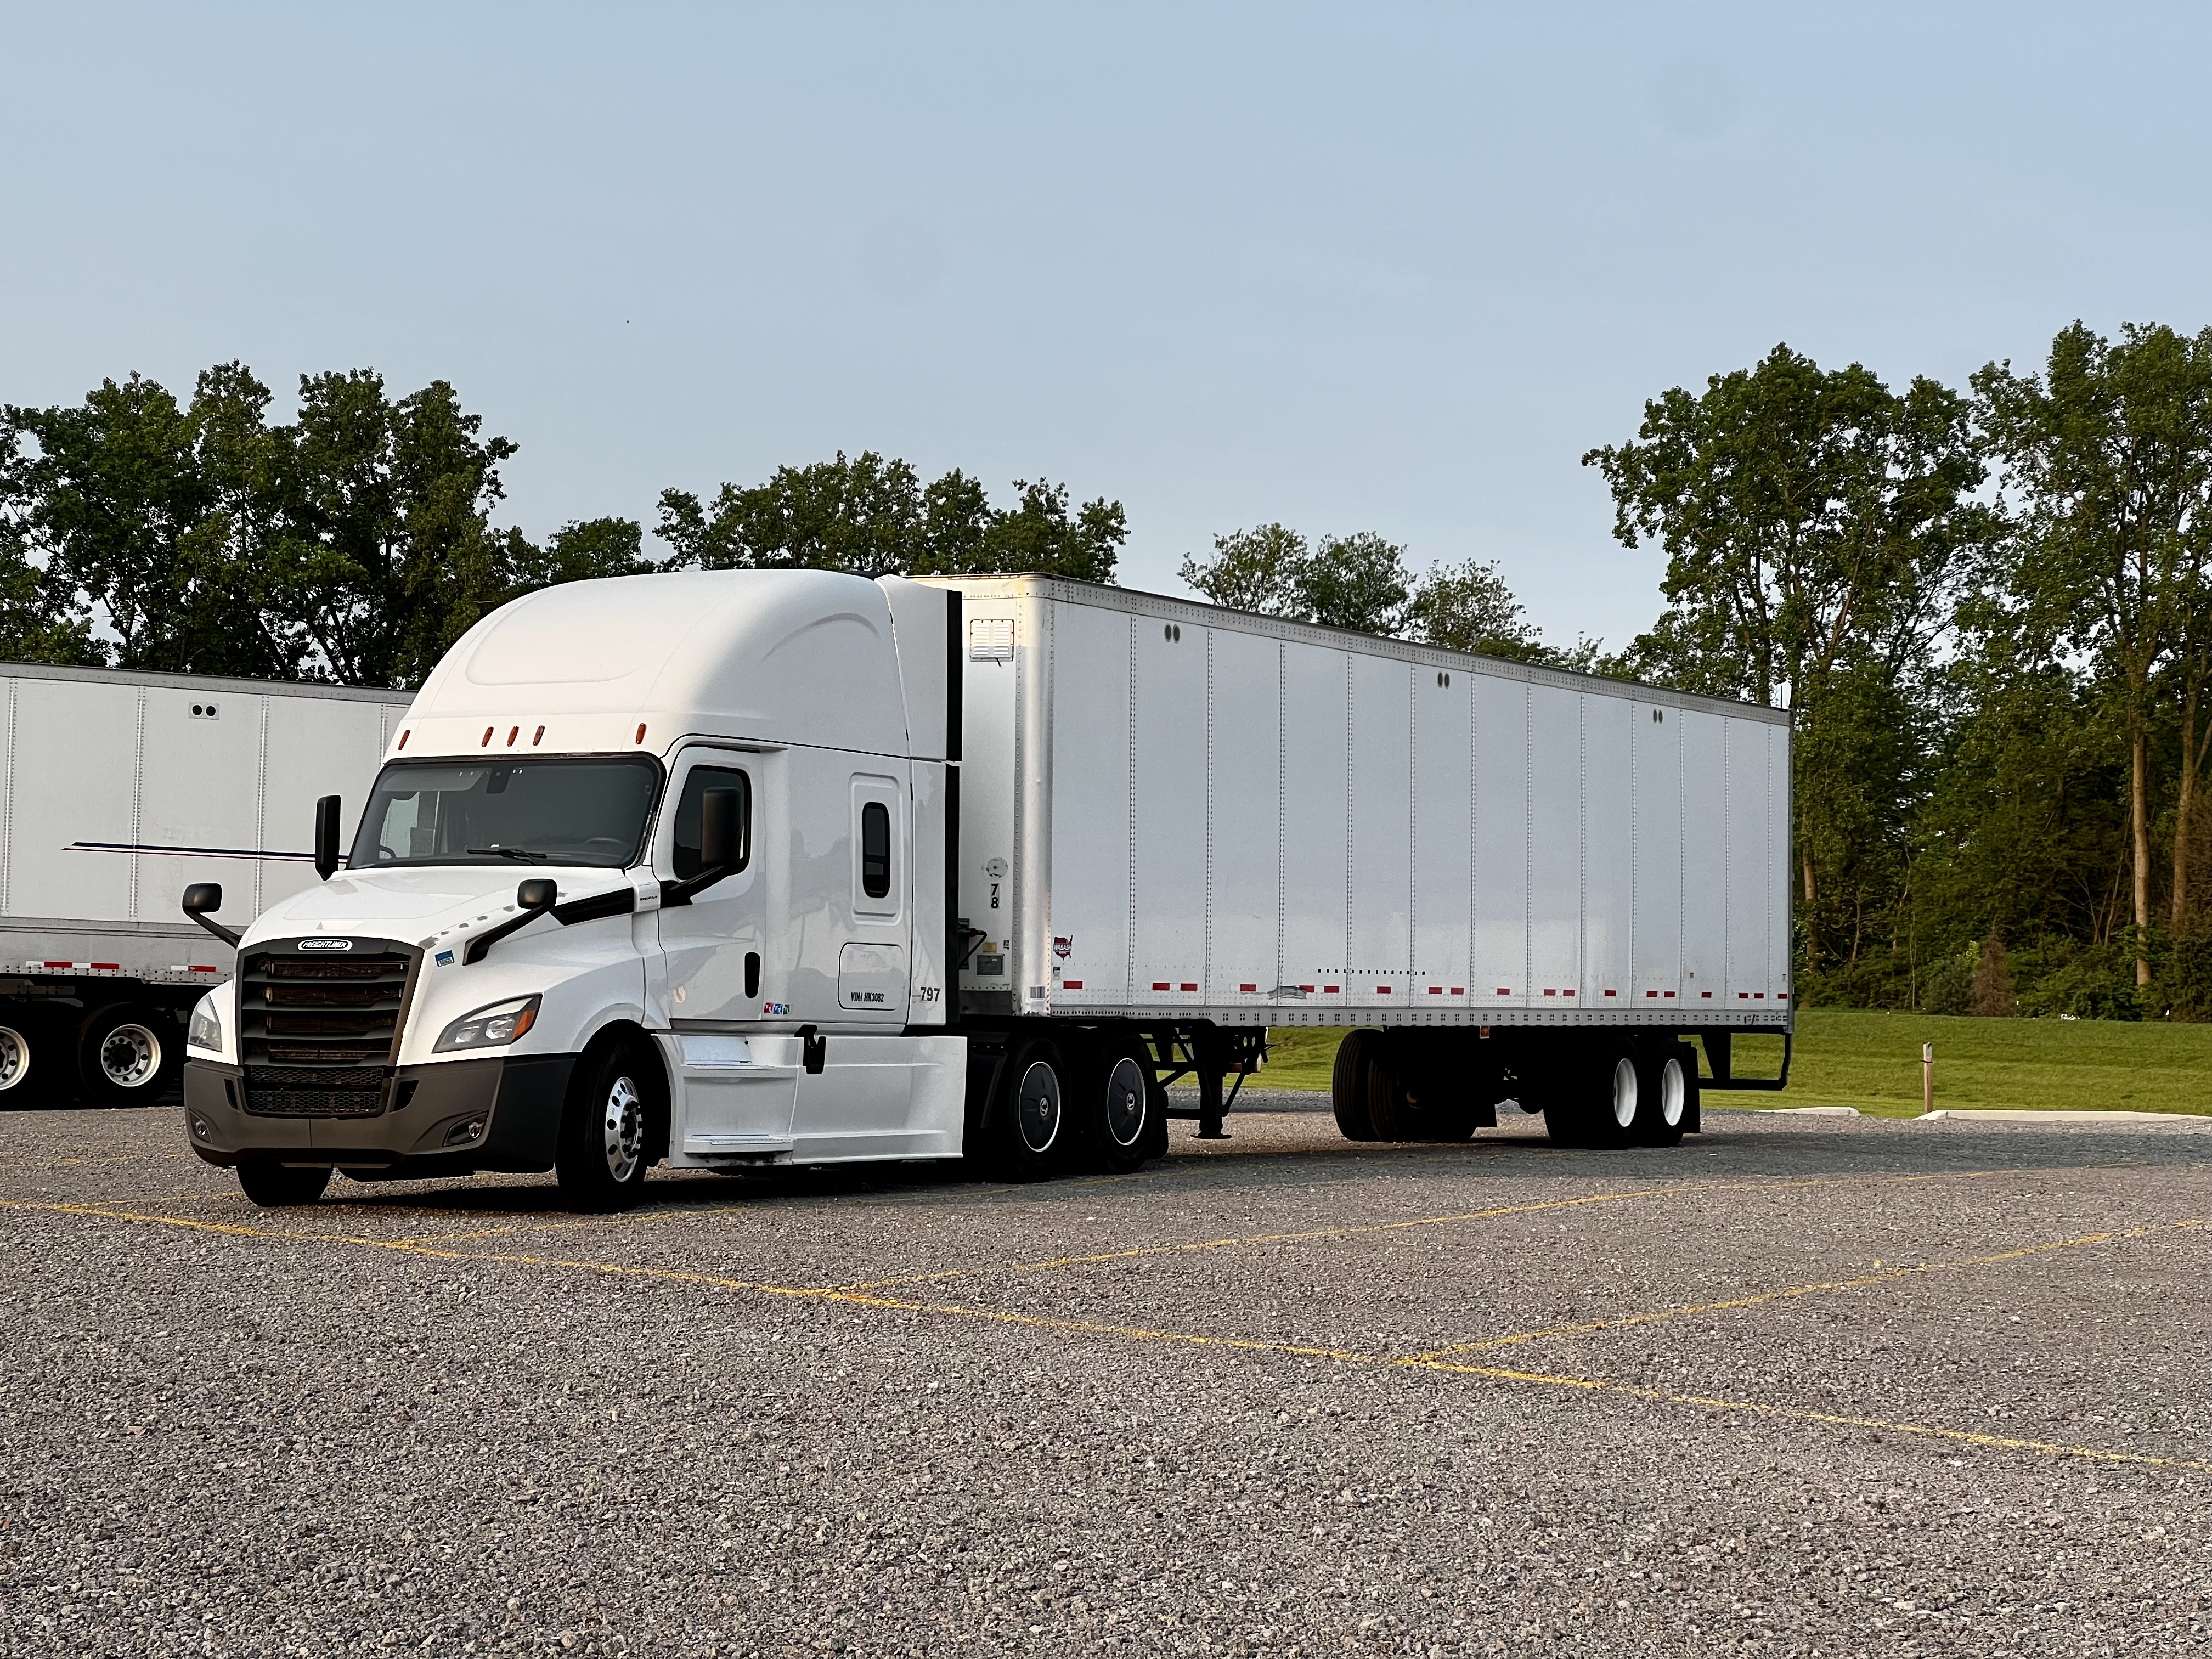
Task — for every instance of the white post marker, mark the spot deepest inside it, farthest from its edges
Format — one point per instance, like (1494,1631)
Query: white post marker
(1927,1078)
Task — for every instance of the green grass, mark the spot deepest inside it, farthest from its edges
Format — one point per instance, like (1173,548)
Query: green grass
(1872,1061)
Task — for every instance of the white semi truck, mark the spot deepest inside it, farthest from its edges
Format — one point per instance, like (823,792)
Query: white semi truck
(116,789)
(735,869)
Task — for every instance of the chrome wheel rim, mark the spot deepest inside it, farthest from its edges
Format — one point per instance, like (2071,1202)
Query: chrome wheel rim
(129,1055)
(14,1058)
(624,1123)
(1038,1107)
(1125,1102)
(1624,1093)
(1674,1093)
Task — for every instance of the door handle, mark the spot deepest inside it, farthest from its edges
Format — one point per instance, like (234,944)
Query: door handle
(752,974)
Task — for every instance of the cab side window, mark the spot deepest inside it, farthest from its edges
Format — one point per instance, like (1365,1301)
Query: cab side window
(695,785)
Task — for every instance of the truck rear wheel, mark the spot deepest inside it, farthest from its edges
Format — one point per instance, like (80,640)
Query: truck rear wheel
(1122,1112)
(1030,1133)
(126,1055)
(273,1187)
(1348,1084)
(606,1130)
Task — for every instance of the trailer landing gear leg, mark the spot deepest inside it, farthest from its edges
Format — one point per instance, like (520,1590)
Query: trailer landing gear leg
(1210,1109)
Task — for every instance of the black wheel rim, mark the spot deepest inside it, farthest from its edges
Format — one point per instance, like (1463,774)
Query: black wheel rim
(1125,1102)
(1038,1107)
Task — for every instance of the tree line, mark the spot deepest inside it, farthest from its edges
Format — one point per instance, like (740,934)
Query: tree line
(1988,608)
(356,542)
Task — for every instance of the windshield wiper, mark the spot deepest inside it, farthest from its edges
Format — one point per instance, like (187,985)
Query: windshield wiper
(522,852)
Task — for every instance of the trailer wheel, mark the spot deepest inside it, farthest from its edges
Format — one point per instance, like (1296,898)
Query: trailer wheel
(1347,1085)
(1030,1133)
(273,1187)
(26,1059)
(1595,1102)
(1693,1123)
(126,1055)
(1404,1104)
(1121,1111)
(1663,1097)
(607,1130)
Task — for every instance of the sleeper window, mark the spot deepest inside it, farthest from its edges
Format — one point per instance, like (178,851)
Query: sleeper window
(875,850)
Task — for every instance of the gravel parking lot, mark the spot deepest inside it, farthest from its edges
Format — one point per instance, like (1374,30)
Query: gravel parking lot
(1804,1386)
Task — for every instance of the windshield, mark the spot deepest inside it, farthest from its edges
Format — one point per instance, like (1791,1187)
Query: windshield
(534,811)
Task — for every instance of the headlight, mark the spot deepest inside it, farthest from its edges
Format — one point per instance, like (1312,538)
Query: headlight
(206,1032)
(489,1028)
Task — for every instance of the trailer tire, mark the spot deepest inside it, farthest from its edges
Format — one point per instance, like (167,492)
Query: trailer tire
(1693,1101)
(127,1055)
(1120,1111)
(272,1187)
(26,1059)
(1348,1086)
(1596,1102)
(1663,1096)
(1031,1134)
(607,1126)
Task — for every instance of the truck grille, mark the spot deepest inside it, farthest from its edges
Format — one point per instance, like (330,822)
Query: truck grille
(320,1091)
(313,1011)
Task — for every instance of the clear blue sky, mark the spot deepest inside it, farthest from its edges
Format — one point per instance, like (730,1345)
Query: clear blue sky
(1387,267)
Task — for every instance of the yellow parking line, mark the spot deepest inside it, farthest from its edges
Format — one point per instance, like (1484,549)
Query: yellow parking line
(1660,1316)
(1804,1414)
(1181,1339)
(1196,1245)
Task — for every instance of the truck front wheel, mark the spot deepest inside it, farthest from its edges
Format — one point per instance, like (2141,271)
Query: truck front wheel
(606,1130)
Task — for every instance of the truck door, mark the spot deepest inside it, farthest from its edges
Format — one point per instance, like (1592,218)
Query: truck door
(861,1103)
(736,1091)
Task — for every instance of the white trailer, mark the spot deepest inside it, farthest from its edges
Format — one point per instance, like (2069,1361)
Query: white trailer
(117,790)
(1224,821)
(816,869)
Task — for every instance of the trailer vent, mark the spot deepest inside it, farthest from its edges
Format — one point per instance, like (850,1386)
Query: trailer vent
(991,639)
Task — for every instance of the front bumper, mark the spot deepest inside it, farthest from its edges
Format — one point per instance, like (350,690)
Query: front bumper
(494,1112)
